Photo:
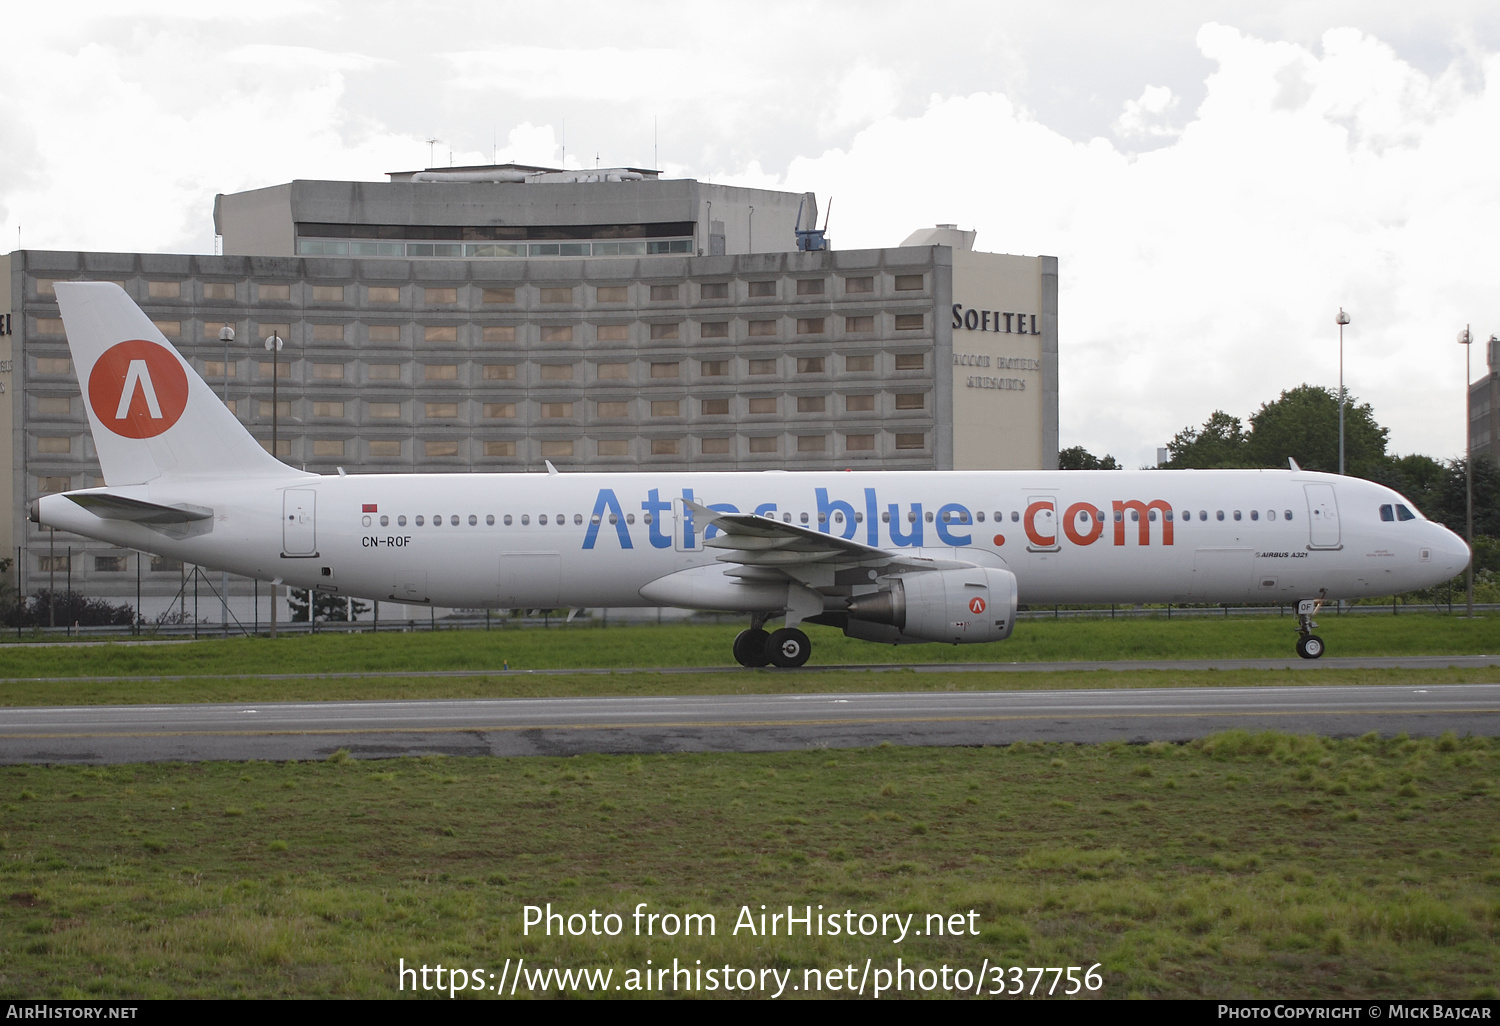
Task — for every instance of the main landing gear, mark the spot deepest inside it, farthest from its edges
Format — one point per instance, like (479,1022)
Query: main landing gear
(787,647)
(1309,645)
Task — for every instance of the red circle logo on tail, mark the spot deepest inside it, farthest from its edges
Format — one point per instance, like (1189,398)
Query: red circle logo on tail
(138,389)
(976,605)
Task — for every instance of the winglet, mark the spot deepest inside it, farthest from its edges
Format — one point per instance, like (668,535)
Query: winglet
(1292,464)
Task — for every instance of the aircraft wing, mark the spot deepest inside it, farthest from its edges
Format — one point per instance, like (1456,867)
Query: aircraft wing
(761,542)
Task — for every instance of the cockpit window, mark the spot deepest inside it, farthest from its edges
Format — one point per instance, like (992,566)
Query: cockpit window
(1402,513)
(1387,514)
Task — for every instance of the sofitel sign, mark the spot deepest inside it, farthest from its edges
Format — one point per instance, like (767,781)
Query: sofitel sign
(994,320)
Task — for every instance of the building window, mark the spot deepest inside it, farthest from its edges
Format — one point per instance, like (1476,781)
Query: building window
(556,411)
(53,365)
(859,403)
(911,361)
(440,372)
(500,297)
(499,372)
(440,411)
(62,406)
(267,329)
(859,286)
(665,370)
(713,329)
(499,411)
(436,449)
(612,294)
(499,333)
(859,443)
(383,294)
(440,297)
(763,366)
(810,365)
(385,450)
(911,322)
(383,411)
(499,448)
(764,404)
(663,293)
(440,333)
(211,369)
(328,409)
(48,485)
(664,446)
(811,404)
(811,443)
(555,449)
(714,368)
(164,289)
(763,290)
(859,325)
(715,407)
(283,370)
(281,408)
(762,329)
(283,445)
(765,444)
(557,333)
(666,408)
(328,448)
(613,408)
(384,372)
(171,329)
(384,332)
(328,293)
(915,441)
(911,401)
(165,564)
(274,293)
(614,371)
(328,371)
(810,325)
(49,326)
(613,447)
(810,287)
(217,290)
(556,372)
(909,282)
(109,564)
(558,294)
(663,332)
(714,446)
(714,290)
(612,333)
(54,444)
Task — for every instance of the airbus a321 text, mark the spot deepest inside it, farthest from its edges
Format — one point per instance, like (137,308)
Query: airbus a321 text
(885,556)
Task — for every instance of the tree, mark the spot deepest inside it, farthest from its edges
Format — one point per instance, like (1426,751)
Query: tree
(1452,500)
(68,607)
(1419,478)
(1079,458)
(1220,443)
(1304,425)
(330,608)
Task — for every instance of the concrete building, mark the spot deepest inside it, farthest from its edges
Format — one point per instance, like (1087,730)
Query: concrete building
(1484,408)
(489,324)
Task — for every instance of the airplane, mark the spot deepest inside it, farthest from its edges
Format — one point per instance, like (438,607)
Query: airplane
(889,557)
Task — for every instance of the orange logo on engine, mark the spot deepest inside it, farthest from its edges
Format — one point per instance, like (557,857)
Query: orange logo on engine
(138,389)
(976,605)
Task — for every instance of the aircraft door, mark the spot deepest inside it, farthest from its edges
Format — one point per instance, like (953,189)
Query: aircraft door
(298,522)
(1041,523)
(1322,517)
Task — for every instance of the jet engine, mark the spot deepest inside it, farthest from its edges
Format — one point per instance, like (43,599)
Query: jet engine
(965,606)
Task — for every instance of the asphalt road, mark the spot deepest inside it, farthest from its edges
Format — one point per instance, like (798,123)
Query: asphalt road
(567,726)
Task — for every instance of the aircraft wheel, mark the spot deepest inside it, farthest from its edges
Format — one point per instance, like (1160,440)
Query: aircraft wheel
(789,647)
(1310,646)
(751,648)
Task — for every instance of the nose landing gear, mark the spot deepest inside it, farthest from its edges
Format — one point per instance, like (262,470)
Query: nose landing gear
(1309,645)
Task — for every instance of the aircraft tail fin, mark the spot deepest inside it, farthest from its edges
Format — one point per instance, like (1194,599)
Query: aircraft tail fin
(152,415)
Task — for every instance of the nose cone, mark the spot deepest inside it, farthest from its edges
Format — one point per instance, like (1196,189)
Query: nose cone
(1450,554)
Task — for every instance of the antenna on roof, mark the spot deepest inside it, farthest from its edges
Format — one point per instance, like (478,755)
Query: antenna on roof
(827,214)
(431,142)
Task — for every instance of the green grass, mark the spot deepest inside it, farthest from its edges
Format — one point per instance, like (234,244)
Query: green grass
(1237,866)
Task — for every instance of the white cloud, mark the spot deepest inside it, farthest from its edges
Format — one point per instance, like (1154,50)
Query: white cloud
(1147,117)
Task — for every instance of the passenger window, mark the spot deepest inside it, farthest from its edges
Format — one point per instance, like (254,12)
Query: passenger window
(885,518)
(577,518)
(401,521)
(489,520)
(507,520)
(1255,514)
(911,517)
(979,516)
(1119,517)
(418,521)
(1387,514)
(1270,514)
(1167,515)
(1203,514)
(1015,517)
(1099,515)
(542,520)
(630,518)
(1236,514)
(1151,515)
(385,521)
(473,520)
(525,519)
(1219,514)
(1402,513)
(453,520)
(1135,516)
(437,521)
(562,520)
(804,518)
(1287,513)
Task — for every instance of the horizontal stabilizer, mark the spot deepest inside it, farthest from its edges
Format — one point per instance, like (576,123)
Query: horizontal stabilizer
(117,507)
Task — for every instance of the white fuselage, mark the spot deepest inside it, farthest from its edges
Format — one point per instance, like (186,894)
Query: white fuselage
(552,540)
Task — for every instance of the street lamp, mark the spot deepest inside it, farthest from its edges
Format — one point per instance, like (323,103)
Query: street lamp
(226,335)
(1466,339)
(1343,319)
(273,346)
